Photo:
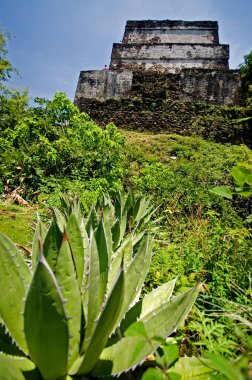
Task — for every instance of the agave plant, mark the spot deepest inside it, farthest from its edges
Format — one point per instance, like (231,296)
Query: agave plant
(76,310)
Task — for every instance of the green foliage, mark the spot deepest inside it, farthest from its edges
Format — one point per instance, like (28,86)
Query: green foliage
(77,309)
(53,148)
(206,250)
(246,73)
(6,67)
(202,236)
(169,365)
(242,176)
(212,335)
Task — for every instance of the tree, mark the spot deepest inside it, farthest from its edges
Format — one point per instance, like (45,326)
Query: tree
(246,75)
(6,67)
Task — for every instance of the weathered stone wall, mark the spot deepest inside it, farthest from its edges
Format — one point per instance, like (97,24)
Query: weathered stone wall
(169,57)
(159,115)
(219,86)
(169,31)
(103,84)
(151,31)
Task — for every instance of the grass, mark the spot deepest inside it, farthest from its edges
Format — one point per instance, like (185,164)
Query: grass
(16,222)
(204,237)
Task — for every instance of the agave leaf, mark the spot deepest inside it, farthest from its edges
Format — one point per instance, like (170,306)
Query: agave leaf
(136,207)
(125,251)
(40,232)
(52,243)
(150,302)
(15,277)
(165,318)
(119,202)
(7,345)
(11,367)
(104,326)
(131,350)
(143,210)
(95,290)
(158,296)
(135,275)
(122,356)
(139,267)
(101,244)
(114,268)
(60,219)
(85,281)
(108,234)
(116,232)
(45,323)
(75,240)
(92,221)
(67,280)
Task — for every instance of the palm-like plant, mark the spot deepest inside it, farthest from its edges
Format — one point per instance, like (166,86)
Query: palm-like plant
(76,310)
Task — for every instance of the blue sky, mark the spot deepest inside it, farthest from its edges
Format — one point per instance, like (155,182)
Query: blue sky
(55,39)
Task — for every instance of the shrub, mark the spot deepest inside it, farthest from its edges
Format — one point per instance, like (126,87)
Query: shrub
(54,142)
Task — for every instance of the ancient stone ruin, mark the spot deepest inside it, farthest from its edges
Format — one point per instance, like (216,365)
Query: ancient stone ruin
(185,57)
(165,76)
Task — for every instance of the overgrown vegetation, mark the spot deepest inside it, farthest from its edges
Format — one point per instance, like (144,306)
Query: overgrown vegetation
(52,149)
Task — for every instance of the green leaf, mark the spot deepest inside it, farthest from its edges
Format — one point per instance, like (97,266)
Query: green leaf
(153,374)
(40,232)
(125,251)
(224,366)
(93,291)
(52,243)
(67,281)
(108,234)
(122,356)
(7,344)
(60,219)
(223,191)
(92,221)
(147,304)
(135,275)
(75,240)
(137,271)
(165,318)
(191,368)
(249,178)
(240,175)
(11,367)
(101,244)
(116,231)
(160,295)
(244,192)
(170,354)
(104,326)
(15,277)
(135,329)
(132,350)
(45,323)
